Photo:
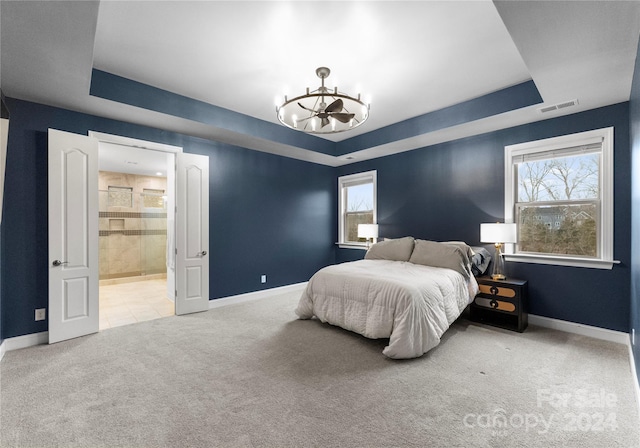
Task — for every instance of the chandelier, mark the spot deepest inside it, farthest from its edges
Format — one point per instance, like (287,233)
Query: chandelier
(323,111)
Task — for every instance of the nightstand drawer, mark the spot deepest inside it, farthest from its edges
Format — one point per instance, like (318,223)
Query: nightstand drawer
(494,290)
(501,305)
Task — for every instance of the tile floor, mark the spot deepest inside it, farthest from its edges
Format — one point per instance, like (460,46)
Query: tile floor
(128,303)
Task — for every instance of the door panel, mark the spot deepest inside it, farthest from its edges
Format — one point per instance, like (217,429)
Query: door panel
(73,235)
(75,300)
(192,233)
(194,280)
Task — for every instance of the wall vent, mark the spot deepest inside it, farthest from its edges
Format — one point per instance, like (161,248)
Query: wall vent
(558,106)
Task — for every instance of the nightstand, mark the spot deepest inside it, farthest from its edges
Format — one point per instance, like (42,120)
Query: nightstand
(502,303)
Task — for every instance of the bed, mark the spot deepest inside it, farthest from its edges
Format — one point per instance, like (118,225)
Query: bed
(407,290)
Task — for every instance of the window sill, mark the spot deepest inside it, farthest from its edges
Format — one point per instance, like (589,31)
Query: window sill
(561,261)
(361,246)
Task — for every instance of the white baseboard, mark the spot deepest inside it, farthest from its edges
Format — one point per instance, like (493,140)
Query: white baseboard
(265,293)
(28,340)
(581,329)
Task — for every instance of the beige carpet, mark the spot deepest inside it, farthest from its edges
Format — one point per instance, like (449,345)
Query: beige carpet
(252,375)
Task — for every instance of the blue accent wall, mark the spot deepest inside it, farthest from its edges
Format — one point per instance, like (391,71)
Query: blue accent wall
(268,214)
(4,113)
(511,98)
(634,120)
(443,192)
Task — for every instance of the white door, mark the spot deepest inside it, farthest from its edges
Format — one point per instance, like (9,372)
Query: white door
(73,235)
(192,233)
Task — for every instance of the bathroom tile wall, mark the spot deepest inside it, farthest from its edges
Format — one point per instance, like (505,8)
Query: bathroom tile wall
(132,237)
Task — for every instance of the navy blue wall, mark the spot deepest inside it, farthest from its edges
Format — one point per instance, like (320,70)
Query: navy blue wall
(444,192)
(634,119)
(268,214)
(4,114)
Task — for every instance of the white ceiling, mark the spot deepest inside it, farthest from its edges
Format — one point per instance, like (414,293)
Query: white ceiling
(408,58)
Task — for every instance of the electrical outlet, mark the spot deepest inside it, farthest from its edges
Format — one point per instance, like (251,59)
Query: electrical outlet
(263,279)
(41,313)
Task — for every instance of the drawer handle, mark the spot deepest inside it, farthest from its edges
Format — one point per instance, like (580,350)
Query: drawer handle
(494,290)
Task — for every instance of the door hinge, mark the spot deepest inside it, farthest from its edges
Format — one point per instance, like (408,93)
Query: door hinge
(176,251)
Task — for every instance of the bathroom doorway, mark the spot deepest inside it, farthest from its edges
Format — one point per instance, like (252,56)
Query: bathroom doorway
(136,192)
(73,232)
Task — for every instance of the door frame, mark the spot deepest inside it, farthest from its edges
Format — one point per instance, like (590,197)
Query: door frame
(171,170)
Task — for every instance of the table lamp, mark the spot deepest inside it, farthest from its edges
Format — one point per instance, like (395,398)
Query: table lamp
(368,231)
(498,233)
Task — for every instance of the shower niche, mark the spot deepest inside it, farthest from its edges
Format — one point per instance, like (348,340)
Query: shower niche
(133,226)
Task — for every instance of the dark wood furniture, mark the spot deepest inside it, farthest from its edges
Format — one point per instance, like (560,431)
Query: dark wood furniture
(502,303)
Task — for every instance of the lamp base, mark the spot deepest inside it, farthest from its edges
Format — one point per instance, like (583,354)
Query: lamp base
(498,264)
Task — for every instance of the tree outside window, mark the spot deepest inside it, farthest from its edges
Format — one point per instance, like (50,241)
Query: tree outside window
(357,205)
(558,204)
(359,209)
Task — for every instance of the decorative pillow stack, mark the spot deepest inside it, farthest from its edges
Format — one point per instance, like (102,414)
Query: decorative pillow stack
(480,260)
(455,255)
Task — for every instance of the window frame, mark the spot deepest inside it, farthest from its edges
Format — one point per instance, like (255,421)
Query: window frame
(348,181)
(605,235)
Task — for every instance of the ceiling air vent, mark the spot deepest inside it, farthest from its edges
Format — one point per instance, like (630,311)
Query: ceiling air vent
(558,106)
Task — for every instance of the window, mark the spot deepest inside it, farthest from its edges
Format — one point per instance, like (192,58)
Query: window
(356,205)
(560,193)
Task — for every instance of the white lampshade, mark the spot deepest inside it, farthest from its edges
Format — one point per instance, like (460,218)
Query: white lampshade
(367,231)
(498,232)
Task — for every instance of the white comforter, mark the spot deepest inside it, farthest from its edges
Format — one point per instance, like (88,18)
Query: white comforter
(412,305)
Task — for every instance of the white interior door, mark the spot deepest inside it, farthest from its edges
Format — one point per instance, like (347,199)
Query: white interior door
(192,233)
(73,235)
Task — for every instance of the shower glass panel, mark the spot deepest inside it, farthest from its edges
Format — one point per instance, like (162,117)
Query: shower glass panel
(153,239)
(133,232)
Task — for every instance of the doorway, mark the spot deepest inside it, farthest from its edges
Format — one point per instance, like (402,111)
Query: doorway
(135,231)
(74,231)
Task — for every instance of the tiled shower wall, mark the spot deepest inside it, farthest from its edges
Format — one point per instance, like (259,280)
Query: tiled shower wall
(133,225)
